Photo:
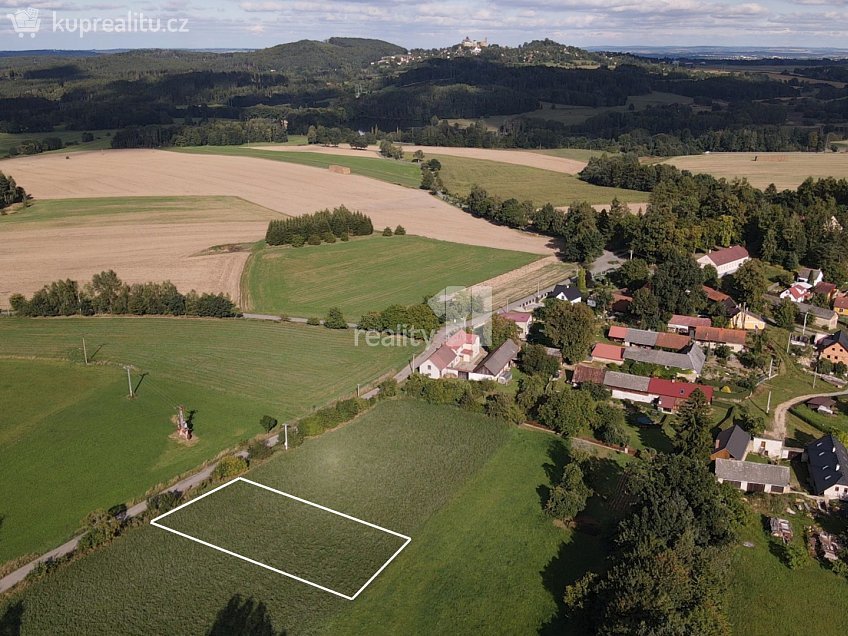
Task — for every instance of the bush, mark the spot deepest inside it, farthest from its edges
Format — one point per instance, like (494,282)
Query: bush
(387,231)
(335,319)
(344,238)
(328,237)
(502,406)
(793,555)
(258,450)
(400,231)
(103,527)
(388,388)
(229,467)
(164,501)
(332,416)
(614,434)
(267,423)
(313,320)
(285,318)
(297,240)
(314,239)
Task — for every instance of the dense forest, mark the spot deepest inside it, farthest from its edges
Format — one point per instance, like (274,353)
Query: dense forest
(162,97)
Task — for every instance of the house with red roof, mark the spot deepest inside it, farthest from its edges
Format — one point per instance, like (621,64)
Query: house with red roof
(798,293)
(670,394)
(522,319)
(608,353)
(828,290)
(440,364)
(465,345)
(687,324)
(726,260)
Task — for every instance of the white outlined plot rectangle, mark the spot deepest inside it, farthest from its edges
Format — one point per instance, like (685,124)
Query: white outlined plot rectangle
(158,522)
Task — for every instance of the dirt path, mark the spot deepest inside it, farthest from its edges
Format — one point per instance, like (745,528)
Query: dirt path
(515,157)
(778,426)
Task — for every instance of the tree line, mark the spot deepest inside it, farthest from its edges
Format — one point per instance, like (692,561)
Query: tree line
(340,223)
(205,133)
(107,294)
(10,192)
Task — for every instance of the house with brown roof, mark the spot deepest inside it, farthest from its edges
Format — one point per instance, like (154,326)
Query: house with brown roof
(713,295)
(840,305)
(440,364)
(686,324)
(607,353)
(714,336)
(726,260)
(828,290)
(834,347)
(620,303)
(587,373)
(522,319)
(670,394)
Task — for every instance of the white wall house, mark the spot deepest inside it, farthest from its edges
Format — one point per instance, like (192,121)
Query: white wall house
(726,260)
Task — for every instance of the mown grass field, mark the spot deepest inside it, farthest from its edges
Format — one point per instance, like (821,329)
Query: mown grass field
(784,169)
(483,557)
(398,172)
(366,274)
(72,442)
(525,183)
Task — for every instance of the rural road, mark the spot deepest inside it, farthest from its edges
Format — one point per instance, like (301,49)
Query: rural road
(15,577)
(778,426)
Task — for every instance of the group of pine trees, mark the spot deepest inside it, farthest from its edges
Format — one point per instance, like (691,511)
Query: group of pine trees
(203,133)
(107,294)
(324,225)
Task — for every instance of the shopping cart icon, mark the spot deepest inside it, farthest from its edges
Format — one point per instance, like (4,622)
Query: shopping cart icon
(25,21)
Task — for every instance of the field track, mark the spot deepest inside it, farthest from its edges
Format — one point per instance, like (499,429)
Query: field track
(516,157)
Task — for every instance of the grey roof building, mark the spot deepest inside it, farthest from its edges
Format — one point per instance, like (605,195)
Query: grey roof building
(498,360)
(626,382)
(731,443)
(752,476)
(828,465)
(566,292)
(692,359)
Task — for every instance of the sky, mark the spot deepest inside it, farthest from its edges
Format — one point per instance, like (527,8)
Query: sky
(422,23)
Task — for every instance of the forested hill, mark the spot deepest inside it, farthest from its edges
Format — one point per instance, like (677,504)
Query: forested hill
(310,56)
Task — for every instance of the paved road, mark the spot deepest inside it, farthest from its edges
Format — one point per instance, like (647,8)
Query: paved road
(778,426)
(12,579)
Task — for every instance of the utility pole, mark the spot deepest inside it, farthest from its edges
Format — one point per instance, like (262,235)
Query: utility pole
(771,364)
(804,330)
(789,340)
(768,404)
(129,381)
(286,429)
(357,389)
(815,374)
(84,351)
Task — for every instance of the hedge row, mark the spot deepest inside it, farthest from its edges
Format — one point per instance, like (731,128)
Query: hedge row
(340,223)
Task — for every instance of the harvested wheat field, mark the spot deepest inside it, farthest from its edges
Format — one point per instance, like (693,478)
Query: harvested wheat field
(516,157)
(282,187)
(786,170)
(142,239)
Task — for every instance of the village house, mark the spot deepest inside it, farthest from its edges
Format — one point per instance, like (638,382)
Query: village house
(828,290)
(820,317)
(809,276)
(713,295)
(827,462)
(731,443)
(645,338)
(440,364)
(797,293)
(727,260)
(466,345)
(714,336)
(607,353)
(774,448)
(566,293)
(620,303)
(522,319)
(822,404)
(667,395)
(687,324)
(748,321)
(834,347)
(840,305)
(690,361)
(753,476)
(497,365)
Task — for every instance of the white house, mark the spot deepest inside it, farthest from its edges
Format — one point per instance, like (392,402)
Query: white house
(827,461)
(566,293)
(726,260)
(440,363)
(498,364)
(810,276)
(798,293)
(752,476)
(465,345)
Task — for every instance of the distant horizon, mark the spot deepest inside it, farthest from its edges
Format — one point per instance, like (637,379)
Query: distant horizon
(241,24)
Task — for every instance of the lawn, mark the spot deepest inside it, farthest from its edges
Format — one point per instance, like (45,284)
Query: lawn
(399,172)
(366,274)
(71,441)
(483,557)
(767,598)
(525,183)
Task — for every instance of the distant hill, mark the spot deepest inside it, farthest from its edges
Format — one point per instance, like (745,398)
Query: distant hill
(306,56)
